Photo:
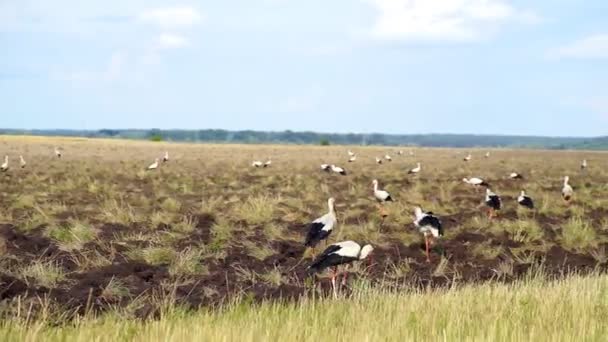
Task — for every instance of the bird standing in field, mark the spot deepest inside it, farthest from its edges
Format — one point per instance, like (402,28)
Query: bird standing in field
(268,162)
(584,165)
(351,153)
(493,202)
(22,162)
(525,201)
(415,170)
(321,228)
(468,158)
(381,196)
(476,182)
(567,190)
(154,165)
(341,253)
(515,175)
(400,152)
(257,163)
(4,166)
(378,160)
(58,152)
(325,167)
(487,154)
(338,170)
(166,157)
(388,157)
(352,159)
(430,226)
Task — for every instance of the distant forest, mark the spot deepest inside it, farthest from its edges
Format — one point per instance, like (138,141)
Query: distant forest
(290,137)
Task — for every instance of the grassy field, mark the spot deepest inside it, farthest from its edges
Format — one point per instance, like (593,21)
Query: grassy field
(532,310)
(93,233)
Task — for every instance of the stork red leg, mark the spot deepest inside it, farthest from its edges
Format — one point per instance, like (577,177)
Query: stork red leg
(333,282)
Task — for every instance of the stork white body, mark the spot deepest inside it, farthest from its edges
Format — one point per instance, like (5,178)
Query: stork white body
(154,165)
(4,166)
(475,181)
(320,228)
(325,167)
(487,154)
(268,162)
(515,175)
(22,162)
(257,163)
(388,158)
(166,157)
(341,253)
(381,195)
(57,152)
(352,159)
(468,158)
(378,160)
(351,153)
(567,190)
(415,170)
(525,201)
(338,170)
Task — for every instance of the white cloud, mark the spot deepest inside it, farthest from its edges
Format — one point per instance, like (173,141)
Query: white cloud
(171,17)
(172,41)
(441,19)
(592,47)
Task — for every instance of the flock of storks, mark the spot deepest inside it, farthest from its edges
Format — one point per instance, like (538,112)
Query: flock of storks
(346,252)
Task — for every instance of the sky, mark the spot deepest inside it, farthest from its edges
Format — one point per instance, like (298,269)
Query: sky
(391,66)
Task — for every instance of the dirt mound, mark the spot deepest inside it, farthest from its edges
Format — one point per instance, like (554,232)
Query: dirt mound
(32,245)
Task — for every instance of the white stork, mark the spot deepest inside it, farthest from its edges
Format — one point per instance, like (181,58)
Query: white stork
(351,153)
(257,163)
(321,228)
(338,170)
(268,162)
(584,164)
(388,158)
(525,201)
(154,165)
(4,166)
(400,152)
(493,202)
(325,167)
(475,181)
(57,152)
(378,160)
(567,190)
(166,157)
(487,154)
(468,157)
(341,253)
(381,195)
(415,170)
(430,226)
(352,159)
(22,162)
(515,175)
(412,153)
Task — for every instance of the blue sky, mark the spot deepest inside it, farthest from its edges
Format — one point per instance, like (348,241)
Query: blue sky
(391,66)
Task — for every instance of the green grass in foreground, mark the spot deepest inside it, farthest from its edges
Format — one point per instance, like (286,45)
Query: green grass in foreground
(565,310)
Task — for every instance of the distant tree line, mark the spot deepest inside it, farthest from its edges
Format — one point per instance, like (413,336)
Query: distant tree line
(291,137)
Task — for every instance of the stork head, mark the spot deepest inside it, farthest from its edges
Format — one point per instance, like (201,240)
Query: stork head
(523,193)
(466,180)
(375,182)
(566,179)
(365,251)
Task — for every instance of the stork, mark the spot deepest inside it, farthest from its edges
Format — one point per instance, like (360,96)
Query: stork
(567,190)
(378,160)
(493,202)
(166,157)
(257,163)
(468,158)
(341,253)
(4,166)
(57,152)
(515,175)
(321,228)
(476,182)
(154,165)
(381,196)
(388,158)
(268,162)
(525,201)
(22,162)
(430,226)
(584,164)
(338,170)
(415,170)
(352,159)
(325,167)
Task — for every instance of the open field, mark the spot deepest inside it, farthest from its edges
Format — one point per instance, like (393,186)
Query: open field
(93,231)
